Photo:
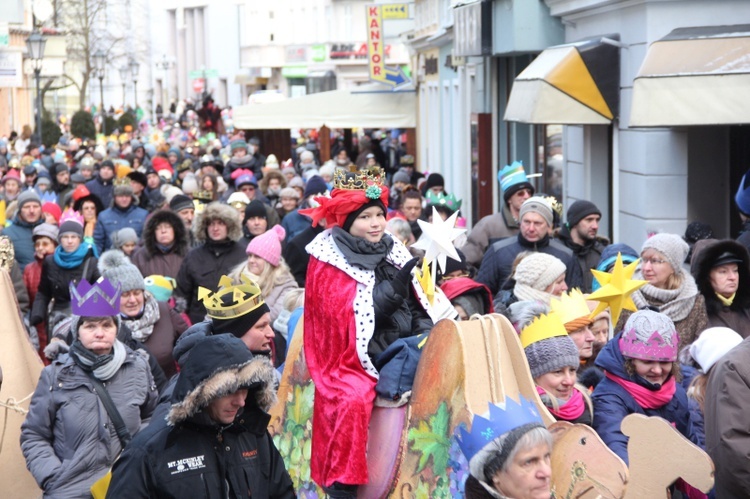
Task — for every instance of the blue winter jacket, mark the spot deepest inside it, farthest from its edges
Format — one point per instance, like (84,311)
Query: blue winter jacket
(612,402)
(113,219)
(101,189)
(20,233)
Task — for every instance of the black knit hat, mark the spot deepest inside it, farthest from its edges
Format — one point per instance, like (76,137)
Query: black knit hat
(353,215)
(435,180)
(180,202)
(238,326)
(256,208)
(580,210)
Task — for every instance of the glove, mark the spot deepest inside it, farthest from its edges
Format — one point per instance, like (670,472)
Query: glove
(55,349)
(401,281)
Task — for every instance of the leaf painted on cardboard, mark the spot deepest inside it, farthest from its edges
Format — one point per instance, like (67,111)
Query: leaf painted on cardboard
(431,439)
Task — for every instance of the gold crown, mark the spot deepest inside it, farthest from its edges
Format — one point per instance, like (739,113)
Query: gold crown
(555,205)
(572,309)
(121,181)
(231,301)
(203,196)
(545,326)
(357,180)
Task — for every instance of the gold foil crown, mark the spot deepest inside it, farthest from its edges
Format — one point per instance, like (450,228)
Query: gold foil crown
(358,180)
(572,309)
(231,300)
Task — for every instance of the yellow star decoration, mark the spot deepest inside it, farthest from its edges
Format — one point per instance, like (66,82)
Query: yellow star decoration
(425,280)
(616,289)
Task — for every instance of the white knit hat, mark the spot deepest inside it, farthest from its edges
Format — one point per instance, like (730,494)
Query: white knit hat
(672,246)
(713,344)
(539,270)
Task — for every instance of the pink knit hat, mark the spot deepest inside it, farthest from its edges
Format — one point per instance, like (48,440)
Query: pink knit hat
(268,245)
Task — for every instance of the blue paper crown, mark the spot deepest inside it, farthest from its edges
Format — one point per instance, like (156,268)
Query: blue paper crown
(48,197)
(100,299)
(512,174)
(742,197)
(501,421)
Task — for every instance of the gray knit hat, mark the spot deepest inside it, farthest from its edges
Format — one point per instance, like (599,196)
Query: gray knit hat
(539,270)
(45,230)
(539,205)
(551,354)
(672,246)
(28,197)
(401,176)
(124,236)
(116,267)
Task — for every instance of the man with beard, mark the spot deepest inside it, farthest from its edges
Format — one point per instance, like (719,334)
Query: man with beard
(101,186)
(60,175)
(580,235)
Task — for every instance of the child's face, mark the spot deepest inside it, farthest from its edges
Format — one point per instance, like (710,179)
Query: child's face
(43,246)
(128,248)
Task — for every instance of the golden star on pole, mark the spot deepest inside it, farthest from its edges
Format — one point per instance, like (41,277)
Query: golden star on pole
(425,280)
(616,289)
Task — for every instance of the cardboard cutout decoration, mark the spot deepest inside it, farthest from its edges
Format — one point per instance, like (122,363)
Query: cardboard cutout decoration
(616,289)
(21,368)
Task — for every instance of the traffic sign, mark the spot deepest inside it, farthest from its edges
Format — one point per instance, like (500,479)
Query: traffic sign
(395,11)
(203,73)
(198,85)
(379,72)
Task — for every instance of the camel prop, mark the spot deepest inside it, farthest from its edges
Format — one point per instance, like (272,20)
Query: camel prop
(21,369)
(412,449)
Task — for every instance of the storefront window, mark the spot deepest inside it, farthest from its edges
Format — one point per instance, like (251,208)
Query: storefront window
(549,159)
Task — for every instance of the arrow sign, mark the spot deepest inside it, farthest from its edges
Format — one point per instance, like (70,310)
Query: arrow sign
(379,72)
(395,11)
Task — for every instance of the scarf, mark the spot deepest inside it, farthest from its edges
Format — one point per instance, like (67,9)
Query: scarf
(648,399)
(142,325)
(360,252)
(103,366)
(675,303)
(524,292)
(569,410)
(72,260)
(164,248)
(727,302)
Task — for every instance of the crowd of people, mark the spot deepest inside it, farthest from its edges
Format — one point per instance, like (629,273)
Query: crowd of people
(161,282)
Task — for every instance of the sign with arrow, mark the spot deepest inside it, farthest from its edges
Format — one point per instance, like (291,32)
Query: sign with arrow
(395,11)
(389,75)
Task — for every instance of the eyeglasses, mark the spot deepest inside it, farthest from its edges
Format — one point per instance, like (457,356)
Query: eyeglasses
(652,261)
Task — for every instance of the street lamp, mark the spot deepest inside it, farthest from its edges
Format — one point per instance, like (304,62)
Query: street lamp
(123,76)
(165,64)
(134,66)
(100,59)
(35,46)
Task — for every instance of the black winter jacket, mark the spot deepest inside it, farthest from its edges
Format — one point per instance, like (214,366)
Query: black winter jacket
(55,284)
(588,255)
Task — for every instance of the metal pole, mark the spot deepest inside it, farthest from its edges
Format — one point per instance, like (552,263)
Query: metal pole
(101,98)
(135,93)
(123,95)
(37,75)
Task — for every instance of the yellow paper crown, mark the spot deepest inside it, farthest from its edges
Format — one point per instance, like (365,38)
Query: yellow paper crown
(572,309)
(358,180)
(543,327)
(231,300)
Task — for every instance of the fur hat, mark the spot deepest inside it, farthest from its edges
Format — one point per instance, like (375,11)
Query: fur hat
(713,344)
(116,267)
(538,205)
(580,210)
(649,335)
(217,211)
(539,270)
(268,245)
(672,246)
(289,192)
(123,188)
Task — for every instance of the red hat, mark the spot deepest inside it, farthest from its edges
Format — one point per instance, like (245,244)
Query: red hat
(12,175)
(160,164)
(351,192)
(80,192)
(53,209)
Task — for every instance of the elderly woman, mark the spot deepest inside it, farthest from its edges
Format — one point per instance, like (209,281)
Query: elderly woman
(71,261)
(670,289)
(516,463)
(165,244)
(151,322)
(71,435)
(641,377)
(722,271)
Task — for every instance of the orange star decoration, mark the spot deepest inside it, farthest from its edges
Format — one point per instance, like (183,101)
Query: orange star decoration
(425,280)
(616,289)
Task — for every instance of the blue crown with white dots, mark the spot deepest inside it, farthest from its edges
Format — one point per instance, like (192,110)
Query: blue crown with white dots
(501,420)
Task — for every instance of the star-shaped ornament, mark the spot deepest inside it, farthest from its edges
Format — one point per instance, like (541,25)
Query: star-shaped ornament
(437,239)
(616,289)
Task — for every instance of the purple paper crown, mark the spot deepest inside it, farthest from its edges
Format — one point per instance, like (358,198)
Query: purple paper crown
(501,421)
(100,299)
(662,348)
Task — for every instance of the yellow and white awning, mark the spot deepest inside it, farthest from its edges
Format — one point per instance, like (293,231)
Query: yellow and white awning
(695,76)
(574,84)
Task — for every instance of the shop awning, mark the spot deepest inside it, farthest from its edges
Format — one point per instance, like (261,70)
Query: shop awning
(574,84)
(695,76)
(353,108)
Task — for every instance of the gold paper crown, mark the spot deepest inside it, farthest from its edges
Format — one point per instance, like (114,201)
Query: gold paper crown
(120,181)
(555,205)
(203,196)
(358,180)
(572,309)
(231,301)
(545,326)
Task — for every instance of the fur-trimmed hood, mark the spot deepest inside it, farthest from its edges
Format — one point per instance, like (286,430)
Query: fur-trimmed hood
(220,365)
(215,211)
(180,232)
(705,252)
